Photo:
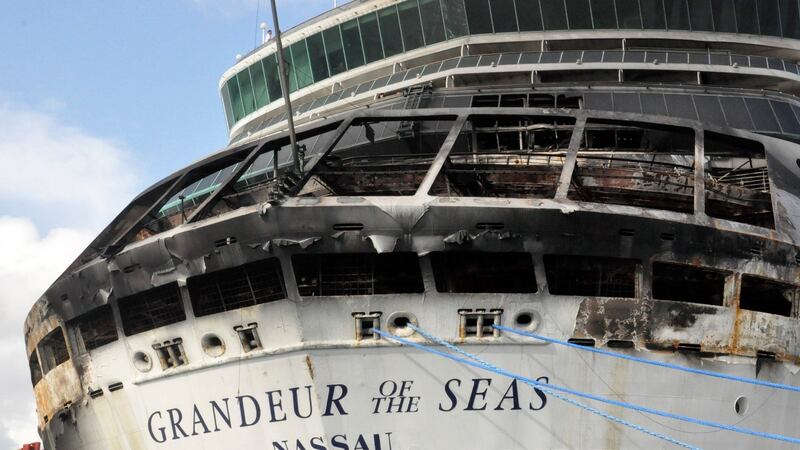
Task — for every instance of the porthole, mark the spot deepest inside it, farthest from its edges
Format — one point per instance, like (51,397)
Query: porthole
(740,405)
(142,362)
(399,323)
(527,320)
(212,345)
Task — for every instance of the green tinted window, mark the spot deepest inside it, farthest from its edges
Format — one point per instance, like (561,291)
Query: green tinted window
(390,31)
(554,15)
(371,37)
(677,12)
(226,104)
(273,79)
(628,14)
(504,18)
(236,98)
(302,66)
(653,14)
(746,20)
(578,14)
(603,14)
(333,48)
(455,18)
(411,25)
(432,21)
(722,12)
(259,84)
(246,89)
(316,52)
(351,39)
(700,15)
(479,19)
(529,16)
(291,77)
(769,18)
(790,18)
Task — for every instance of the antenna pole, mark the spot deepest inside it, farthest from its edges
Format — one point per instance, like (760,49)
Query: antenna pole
(285,89)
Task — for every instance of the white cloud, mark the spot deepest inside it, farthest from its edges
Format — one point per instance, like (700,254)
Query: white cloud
(52,173)
(61,169)
(29,263)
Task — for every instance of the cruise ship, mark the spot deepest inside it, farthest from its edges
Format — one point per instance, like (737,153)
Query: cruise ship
(459,224)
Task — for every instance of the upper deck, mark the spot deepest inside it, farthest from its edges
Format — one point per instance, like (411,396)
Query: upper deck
(374,41)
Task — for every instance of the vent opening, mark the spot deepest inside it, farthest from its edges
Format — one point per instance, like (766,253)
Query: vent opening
(591,276)
(357,273)
(171,354)
(151,309)
(684,283)
(586,342)
(767,296)
(238,287)
(248,336)
(348,226)
(619,343)
(478,322)
(365,324)
(483,272)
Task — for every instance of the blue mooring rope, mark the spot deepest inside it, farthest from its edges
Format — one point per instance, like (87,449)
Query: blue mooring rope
(561,397)
(651,362)
(706,423)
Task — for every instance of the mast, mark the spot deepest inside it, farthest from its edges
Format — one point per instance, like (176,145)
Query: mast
(285,90)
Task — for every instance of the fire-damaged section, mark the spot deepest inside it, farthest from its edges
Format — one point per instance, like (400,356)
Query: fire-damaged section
(467,272)
(97,328)
(636,164)
(590,275)
(357,274)
(506,156)
(151,309)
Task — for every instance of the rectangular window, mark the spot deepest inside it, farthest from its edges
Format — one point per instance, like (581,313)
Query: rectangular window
(150,309)
(737,180)
(724,18)
(226,103)
(36,370)
(591,276)
(316,53)
(97,327)
(767,296)
(273,77)
(746,19)
(291,77)
(246,88)
(370,33)
(411,25)
(580,17)
(333,47)
(455,18)
(790,18)
(53,349)
(483,272)
(390,31)
(700,15)
(529,15)
(554,15)
(677,12)
(603,14)
(238,287)
(769,17)
(236,99)
(432,21)
(504,19)
(479,19)
(351,40)
(628,14)
(653,14)
(301,66)
(259,84)
(684,283)
(357,274)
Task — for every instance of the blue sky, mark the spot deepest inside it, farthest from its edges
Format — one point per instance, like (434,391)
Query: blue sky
(98,100)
